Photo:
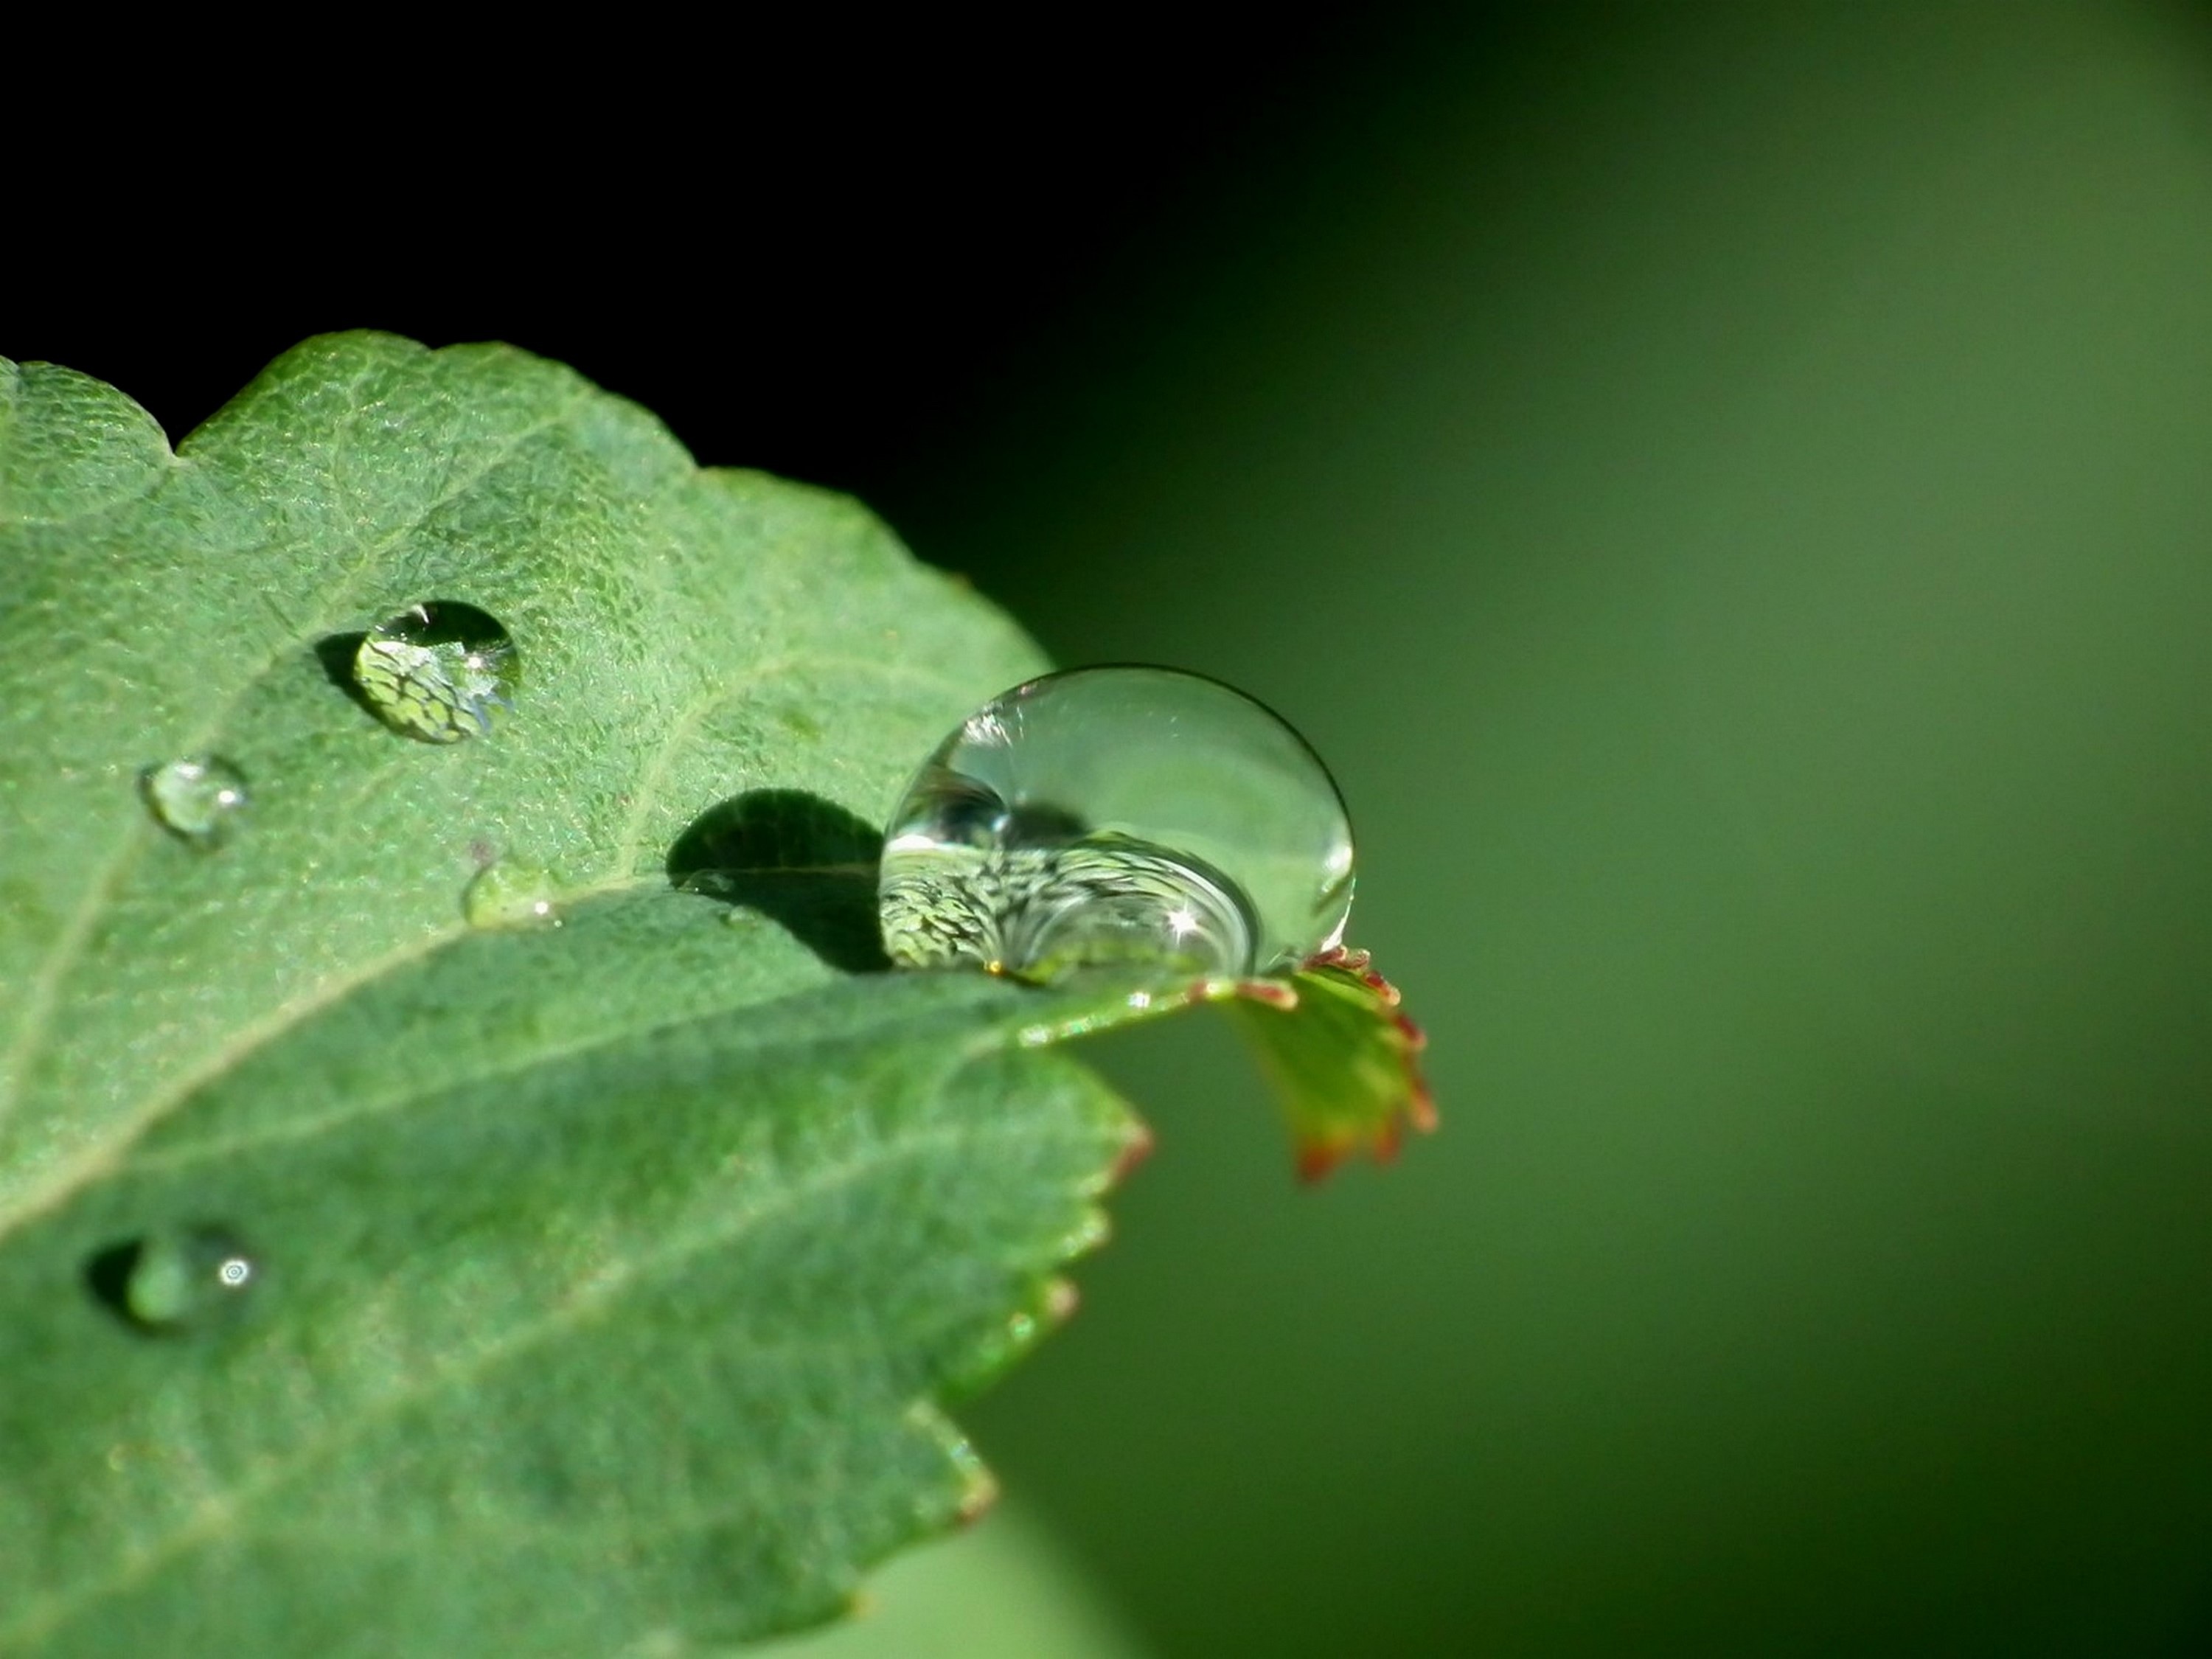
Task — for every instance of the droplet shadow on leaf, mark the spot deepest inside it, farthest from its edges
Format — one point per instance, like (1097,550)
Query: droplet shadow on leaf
(337,651)
(108,1276)
(174,1280)
(799,860)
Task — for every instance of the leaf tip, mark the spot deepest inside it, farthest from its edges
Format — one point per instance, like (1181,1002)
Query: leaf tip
(1134,1152)
(1317,1160)
(1343,1057)
(1061,1300)
(978,1499)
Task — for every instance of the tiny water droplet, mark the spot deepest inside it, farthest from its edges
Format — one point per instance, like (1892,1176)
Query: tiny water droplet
(182,1279)
(1117,814)
(437,670)
(197,799)
(507,895)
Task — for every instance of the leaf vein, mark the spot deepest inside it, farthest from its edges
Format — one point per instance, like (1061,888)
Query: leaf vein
(216,1517)
(33,1024)
(687,722)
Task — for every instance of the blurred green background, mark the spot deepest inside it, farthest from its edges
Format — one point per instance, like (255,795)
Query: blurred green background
(1729,489)
(1727,486)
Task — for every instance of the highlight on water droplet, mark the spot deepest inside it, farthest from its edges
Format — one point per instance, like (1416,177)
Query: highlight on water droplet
(437,670)
(178,1281)
(505,894)
(1117,814)
(197,799)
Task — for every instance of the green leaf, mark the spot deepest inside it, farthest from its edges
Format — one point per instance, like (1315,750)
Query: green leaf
(465,1183)
(602,1280)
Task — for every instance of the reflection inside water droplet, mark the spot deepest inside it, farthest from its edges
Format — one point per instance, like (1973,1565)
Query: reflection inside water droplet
(510,894)
(1118,814)
(196,800)
(437,670)
(176,1281)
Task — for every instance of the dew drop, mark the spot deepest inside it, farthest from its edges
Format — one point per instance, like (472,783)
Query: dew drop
(437,670)
(196,800)
(506,895)
(180,1280)
(1117,814)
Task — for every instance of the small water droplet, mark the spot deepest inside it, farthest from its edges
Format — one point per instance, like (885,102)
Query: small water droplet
(1118,814)
(197,799)
(178,1279)
(509,895)
(437,670)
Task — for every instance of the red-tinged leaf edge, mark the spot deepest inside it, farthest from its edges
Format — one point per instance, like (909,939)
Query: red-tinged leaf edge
(1343,1059)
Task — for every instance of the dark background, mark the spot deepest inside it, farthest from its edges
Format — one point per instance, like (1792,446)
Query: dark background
(829,254)
(1727,486)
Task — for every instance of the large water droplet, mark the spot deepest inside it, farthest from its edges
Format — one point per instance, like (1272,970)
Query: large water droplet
(437,670)
(1118,814)
(197,799)
(183,1278)
(507,895)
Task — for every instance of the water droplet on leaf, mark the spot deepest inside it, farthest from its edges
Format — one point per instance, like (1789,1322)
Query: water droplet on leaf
(1118,814)
(437,670)
(184,1279)
(505,895)
(197,799)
